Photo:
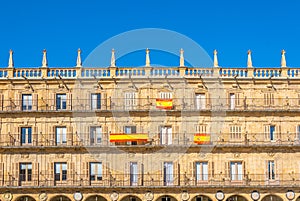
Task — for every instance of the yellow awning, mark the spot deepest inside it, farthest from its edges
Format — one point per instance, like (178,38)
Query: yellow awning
(122,137)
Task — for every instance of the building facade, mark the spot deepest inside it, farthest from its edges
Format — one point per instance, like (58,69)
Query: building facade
(149,133)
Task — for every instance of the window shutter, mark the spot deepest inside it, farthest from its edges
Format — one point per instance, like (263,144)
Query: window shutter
(266,170)
(105,134)
(244,170)
(194,173)
(17,101)
(212,168)
(16,173)
(103,101)
(35,173)
(237,99)
(1,174)
(85,169)
(176,173)
(34,102)
(107,171)
(1,102)
(88,101)
(51,176)
(35,136)
(69,101)
(208,101)
(227,170)
(70,173)
(70,135)
(277,169)
(53,137)
(52,101)
(126,172)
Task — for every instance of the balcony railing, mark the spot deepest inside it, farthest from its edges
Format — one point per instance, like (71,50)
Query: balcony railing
(144,104)
(156,180)
(151,139)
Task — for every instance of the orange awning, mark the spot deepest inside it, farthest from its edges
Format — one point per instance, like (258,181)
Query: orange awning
(166,104)
(202,138)
(122,137)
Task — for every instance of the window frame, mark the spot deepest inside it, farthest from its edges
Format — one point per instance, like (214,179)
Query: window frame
(62,173)
(61,137)
(27,102)
(98,174)
(61,101)
(25,174)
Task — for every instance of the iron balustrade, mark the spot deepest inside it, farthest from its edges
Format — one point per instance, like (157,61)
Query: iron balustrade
(154,139)
(146,104)
(157,180)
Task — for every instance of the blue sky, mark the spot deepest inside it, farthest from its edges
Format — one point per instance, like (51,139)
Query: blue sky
(231,26)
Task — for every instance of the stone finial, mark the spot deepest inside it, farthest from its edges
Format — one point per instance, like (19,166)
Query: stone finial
(147,58)
(44,61)
(181,58)
(249,62)
(113,58)
(216,63)
(78,61)
(11,60)
(283,59)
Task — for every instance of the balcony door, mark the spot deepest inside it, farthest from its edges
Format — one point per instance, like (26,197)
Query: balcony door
(133,174)
(200,101)
(166,135)
(168,173)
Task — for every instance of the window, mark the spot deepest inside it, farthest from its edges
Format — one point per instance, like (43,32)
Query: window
(236,171)
(298,132)
(271,170)
(95,135)
(96,101)
(130,130)
(166,135)
(26,136)
(200,101)
(201,171)
(232,101)
(133,174)
(61,101)
(202,128)
(168,173)
(235,132)
(60,171)
(61,135)
(96,171)
(26,102)
(270,132)
(269,99)
(165,95)
(130,100)
(25,171)
(166,198)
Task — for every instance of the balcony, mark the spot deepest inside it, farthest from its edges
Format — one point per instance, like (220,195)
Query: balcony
(139,140)
(153,104)
(155,180)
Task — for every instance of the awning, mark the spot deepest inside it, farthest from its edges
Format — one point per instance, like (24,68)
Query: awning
(166,104)
(123,137)
(202,138)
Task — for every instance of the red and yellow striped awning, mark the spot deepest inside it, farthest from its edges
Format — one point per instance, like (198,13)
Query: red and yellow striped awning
(123,137)
(202,138)
(166,104)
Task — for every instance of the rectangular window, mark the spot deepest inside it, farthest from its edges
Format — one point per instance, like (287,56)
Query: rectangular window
(95,135)
(133,173)
(130,100)
(26,136)
(96,171)
(168,173)
(96,101)
(61,101)
(130,130)
(201,171)
(268,99)
(235,132)
(271,170)
(232,101)
(202,128)
(166,135)
(200,101)
(25,172)
(26,102)
(60,171)
(236,171)
(269,132)
(61,135)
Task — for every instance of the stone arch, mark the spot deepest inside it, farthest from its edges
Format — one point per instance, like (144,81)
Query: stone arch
(236,198)
(298,198)
(131,198)
(271,198)
(201,198)
(95,198)
(166,198)
(60,198)
(25,198)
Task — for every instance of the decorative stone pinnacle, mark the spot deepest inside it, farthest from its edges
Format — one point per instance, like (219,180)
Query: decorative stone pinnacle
(283,59)
(147,58)
(249,62)
(78,61)
(10,60)
(216,63)
(181,58)
(113,58)
(44,61)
